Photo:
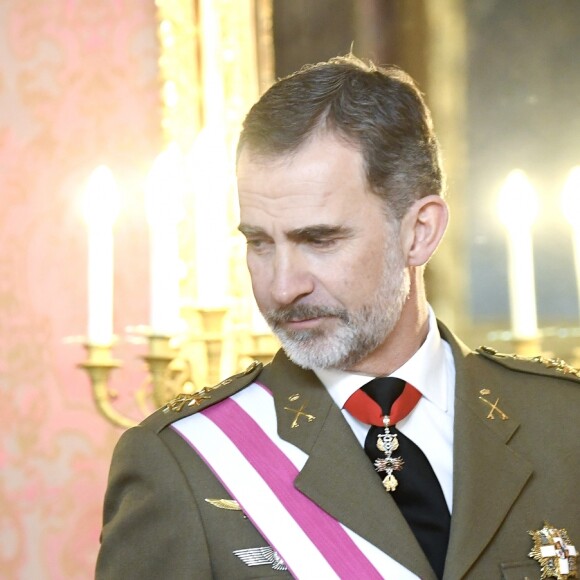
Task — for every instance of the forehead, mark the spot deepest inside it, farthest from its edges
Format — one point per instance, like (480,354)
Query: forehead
(325,174)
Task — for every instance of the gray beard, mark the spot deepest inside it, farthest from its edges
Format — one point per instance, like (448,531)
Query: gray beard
(357,334)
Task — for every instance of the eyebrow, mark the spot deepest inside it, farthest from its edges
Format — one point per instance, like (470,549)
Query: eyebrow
(319,231)
(316,231)
(250,230)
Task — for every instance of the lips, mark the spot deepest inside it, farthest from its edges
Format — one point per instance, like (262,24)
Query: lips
(303,323)
(303,313)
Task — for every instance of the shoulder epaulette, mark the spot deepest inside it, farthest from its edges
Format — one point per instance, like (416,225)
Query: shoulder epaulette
(539,364)
(185,404)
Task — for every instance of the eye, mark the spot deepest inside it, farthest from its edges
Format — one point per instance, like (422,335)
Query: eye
(256,244)
(321,237)
(322,242)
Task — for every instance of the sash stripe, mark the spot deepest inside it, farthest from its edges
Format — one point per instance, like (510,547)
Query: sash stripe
(258,402)
(256,499)
(279,474)
(258,469)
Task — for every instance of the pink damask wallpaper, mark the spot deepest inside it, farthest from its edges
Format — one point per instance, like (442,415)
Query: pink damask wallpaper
(78,87)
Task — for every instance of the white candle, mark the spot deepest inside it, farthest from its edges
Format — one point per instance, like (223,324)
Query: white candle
(212,171)
(518,208)
(101,207)
(571,210)
(212,178)
(164,204)
(212,68)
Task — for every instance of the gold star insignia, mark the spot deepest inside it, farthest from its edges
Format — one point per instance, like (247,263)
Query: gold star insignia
(190,399)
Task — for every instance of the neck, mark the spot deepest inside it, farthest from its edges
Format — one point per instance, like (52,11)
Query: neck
(405,339)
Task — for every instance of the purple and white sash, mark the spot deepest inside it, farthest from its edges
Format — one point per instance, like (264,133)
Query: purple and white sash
(238,440)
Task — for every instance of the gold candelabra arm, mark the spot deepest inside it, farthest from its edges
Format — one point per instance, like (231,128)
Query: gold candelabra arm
(158,359)
(99,366)
(212,321)
(259,346)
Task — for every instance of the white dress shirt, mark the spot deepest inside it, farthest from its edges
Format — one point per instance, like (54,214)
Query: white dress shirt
(431,371)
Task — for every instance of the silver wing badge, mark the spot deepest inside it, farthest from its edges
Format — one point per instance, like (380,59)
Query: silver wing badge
(260,557)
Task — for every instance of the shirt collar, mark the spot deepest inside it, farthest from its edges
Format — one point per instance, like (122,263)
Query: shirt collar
(425,370)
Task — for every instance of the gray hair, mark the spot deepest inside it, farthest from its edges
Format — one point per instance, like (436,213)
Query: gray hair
(379,110)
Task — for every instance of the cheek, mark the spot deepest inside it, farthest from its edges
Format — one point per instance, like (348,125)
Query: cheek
(344,283)
(359,283)
(259,278)
(359,288)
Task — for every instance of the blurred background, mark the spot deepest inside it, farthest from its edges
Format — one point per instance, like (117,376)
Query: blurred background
(122,279)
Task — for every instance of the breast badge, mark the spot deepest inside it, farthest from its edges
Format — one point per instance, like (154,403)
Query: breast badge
(260,557)
(555,553)
(224,504)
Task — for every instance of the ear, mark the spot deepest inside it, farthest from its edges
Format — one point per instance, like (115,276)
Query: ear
(422,228)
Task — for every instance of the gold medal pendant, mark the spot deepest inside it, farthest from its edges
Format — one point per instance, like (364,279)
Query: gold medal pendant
(381,443)
(390,482)
(387,442)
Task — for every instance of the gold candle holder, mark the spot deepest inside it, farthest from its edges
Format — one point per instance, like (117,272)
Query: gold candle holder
(261,347)
(160,355)
(212,320)
(99,366)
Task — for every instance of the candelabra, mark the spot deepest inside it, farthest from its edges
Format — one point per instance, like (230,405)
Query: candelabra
(213,55)
(197,361)
(100,364)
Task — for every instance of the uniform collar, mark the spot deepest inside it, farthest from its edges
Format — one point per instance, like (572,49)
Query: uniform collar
(426,370)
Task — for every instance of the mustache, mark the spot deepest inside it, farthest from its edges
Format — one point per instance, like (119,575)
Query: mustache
(304,311)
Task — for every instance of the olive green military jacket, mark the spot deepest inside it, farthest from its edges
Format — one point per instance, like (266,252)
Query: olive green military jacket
(516,466)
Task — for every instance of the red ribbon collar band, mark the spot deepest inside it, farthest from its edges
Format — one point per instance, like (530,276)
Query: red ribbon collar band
(365,409)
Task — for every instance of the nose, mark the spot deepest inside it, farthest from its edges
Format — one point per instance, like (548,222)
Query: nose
(292,277)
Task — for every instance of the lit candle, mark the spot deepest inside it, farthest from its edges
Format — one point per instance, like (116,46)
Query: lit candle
(518,208)
(212,66)
(164,204)
(571,210)
(101,207)
(212,171)
(212,177)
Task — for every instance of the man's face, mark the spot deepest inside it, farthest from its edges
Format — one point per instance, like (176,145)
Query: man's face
(327,268)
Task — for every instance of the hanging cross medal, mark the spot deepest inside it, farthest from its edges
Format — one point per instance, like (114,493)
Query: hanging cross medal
(366,409)
(387,443)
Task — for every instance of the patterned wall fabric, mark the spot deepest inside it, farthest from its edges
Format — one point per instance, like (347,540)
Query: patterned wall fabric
(78,87)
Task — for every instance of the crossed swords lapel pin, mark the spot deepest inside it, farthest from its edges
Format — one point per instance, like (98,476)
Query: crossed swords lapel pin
(494,410)
(299,413)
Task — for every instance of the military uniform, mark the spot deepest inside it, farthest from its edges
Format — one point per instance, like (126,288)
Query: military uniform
(516,442)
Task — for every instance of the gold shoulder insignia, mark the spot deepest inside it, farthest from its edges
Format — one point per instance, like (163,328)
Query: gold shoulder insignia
(190,399)
(255,365)
(557,364)
(195,399)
